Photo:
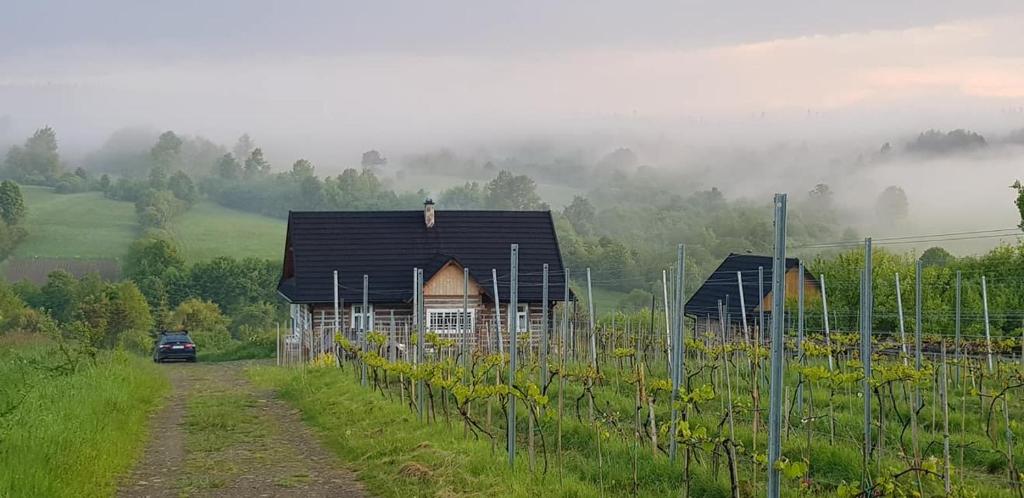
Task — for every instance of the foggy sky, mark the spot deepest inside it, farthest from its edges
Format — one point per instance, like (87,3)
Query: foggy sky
(329,79)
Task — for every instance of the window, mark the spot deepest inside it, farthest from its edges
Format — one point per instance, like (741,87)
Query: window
(523,319)
(357,317)
(449,321)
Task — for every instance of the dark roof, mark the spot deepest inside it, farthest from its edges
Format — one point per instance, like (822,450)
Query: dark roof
(387,245)
(723,285)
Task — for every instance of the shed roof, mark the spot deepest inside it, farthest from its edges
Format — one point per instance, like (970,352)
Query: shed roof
(723,285)
(387,245)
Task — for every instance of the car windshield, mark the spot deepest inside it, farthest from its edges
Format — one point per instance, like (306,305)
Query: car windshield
(175,338)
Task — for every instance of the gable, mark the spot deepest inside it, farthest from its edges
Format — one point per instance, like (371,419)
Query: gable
(448,281)
(811,287)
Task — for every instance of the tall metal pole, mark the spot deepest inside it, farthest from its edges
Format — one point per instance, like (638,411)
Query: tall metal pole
(743,307)
(678,369)
(563,350)
(800,338)
(918,321)
(760,306)
(824,314)
(899,314)
(988,333)
(466,326)
(778,348)
(593,350)
(865,355)
(497,312)
(362,327)
(337,312)
(668,326)
(593,333)
(420,339)
(956,344)
(545,340)
(513,327)
(392,350)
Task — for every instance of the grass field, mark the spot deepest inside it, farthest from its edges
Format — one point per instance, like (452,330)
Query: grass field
(89,226)
(73,434)
(85,226)
(208,230)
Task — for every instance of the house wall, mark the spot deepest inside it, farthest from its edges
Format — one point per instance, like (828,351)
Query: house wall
(483,327)
(444,291)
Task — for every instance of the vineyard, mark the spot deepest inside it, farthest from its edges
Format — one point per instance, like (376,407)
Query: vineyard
(662,402)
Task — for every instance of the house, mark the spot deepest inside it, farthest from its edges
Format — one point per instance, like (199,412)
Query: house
(386,247)
(724,285)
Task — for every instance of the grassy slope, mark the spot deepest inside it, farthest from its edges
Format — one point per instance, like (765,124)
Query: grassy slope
(209,230)
(73,435)
(85,225)
(89,226)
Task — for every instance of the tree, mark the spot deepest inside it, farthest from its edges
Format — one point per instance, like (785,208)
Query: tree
(182,187)
(467,196)
(935,142)
(166,150)
(203,320)
(36,162)
(581,214)
(244,146)
(255,164)
(104,183)
(373,158)
(302,168)
(129,320)
(58,295)
(311,192)
(892,204)
(253,318)
(936,256)
(227,167)
(156,208)
(12,205)
(513,192)
(151,258)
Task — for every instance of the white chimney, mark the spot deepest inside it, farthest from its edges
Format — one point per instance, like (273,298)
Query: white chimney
(428,213)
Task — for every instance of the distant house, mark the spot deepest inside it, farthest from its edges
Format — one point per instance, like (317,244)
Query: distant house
(724,285)
(387,246)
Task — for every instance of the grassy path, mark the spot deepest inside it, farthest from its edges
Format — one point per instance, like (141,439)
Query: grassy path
(219,435)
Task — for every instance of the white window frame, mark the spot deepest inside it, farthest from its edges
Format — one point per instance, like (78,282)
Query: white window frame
(456,327)
(523,319)
(357,313)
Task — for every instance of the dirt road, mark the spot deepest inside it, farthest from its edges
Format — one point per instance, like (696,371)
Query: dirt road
(219,435)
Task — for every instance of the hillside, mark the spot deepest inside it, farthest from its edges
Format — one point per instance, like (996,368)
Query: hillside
(87,232)
(83,226)
(209,230)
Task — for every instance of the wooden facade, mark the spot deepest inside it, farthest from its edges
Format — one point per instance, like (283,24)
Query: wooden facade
(443,305)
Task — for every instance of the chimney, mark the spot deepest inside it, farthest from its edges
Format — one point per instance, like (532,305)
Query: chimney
(428,213)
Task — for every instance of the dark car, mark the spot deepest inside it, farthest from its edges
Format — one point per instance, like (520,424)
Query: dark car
(174,345)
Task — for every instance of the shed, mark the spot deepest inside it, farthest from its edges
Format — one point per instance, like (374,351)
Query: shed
(744,271)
